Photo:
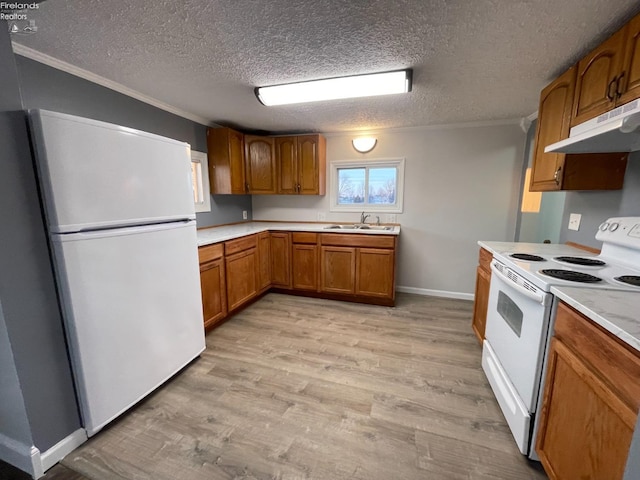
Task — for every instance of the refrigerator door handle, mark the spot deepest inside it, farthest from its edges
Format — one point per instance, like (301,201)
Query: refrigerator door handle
(114,232)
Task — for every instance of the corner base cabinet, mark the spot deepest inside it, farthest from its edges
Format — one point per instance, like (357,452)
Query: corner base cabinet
(591,399)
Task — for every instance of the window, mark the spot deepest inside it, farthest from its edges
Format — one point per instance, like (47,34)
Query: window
(200,181)
(371,186)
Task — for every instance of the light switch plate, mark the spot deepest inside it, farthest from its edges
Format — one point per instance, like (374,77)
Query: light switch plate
(244,214)
(574,221)
(322,216)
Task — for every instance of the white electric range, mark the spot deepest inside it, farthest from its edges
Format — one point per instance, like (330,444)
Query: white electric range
(521,310)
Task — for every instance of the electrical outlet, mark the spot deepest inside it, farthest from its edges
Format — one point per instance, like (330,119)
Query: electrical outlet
(391,218)
(574,221)
(322,216)
(244,214)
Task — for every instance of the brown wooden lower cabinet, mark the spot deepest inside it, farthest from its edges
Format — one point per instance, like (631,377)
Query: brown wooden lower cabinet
(591,400)
(213,284)
(304,265)
(483,280)
(264,261)
(375,272)
(241,277)
(338,269)
(280,259)
(342,266)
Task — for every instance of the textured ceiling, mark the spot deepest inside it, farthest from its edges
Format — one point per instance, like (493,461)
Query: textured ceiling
(473,60)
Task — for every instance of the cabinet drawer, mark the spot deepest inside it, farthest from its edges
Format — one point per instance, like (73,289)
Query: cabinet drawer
(617,364)
(358,240)
(239,244)
(210,252)
(484,259)
(304,237)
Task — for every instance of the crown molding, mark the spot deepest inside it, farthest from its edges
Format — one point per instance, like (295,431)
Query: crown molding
(58,64)
(444,126)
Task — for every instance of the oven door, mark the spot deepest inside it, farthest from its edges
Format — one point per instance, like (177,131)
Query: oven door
(515,336)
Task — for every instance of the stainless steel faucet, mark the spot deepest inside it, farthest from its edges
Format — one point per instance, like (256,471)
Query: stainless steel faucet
(363,217)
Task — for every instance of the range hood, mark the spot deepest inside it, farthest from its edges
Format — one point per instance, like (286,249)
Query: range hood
(614,131)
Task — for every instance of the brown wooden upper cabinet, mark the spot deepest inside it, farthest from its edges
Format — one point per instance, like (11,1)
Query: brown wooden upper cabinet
(559,171)
(554,117)
(226,161)
(610,75)
(301,164)
(260,164)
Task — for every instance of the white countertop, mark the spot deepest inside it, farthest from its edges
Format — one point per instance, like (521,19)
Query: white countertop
(210,235)
(531,248)
(614,310)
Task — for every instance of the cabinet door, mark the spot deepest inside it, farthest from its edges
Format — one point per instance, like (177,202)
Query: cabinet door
(214,296)
(337,269)
(241,277)
(630,82)
(375,272)
(483,280)
(554,115)
(583,433)
(287,164)
(260,164)
(225,149)
(264,261)
(304,266)
(280,260)
(311,165)
(596,79)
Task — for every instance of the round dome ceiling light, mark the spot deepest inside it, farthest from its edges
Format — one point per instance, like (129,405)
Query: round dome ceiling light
(364,144)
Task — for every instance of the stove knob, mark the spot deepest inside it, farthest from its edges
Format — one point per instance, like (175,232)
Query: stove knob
(614,226)
(603,226)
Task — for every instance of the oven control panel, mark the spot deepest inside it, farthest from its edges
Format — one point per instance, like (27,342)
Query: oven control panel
(621,231)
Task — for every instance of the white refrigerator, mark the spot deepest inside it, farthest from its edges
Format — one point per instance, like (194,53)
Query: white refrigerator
(120,213)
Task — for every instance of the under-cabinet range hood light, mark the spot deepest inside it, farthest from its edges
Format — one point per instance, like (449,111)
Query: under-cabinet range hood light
(614,131)
(336,88)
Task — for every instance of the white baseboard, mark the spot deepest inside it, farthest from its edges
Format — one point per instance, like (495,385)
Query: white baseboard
(22,456)
(436,293)
(29,459)
(62,448)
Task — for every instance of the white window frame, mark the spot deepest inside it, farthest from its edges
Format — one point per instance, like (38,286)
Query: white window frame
(397,163)
(203,180)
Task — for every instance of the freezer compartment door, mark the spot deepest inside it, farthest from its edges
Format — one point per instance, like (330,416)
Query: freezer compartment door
(99,175)
(132,311)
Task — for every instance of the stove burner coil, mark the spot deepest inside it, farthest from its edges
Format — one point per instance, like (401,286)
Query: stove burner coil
(587,262)
(526,256)
(571,276)
(629,279)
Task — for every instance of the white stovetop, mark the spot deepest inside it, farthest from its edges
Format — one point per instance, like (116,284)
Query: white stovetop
(614,310)
(210,235)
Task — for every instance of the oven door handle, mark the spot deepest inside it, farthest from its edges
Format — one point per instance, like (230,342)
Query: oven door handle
(538,297)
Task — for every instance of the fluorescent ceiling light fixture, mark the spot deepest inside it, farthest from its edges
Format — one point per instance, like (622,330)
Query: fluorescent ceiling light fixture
(364,144)
(336,88)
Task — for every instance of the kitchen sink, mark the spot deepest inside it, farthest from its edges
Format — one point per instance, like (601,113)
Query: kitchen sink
(358,226)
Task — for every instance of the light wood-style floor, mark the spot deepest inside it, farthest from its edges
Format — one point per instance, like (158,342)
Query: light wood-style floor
(300,388)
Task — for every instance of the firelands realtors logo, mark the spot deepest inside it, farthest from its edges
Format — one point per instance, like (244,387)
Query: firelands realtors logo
(19,17)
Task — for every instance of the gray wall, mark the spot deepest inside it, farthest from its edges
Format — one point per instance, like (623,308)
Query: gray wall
(462,185)
(66,93)
(27,291)
(595,207)
(14,423)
